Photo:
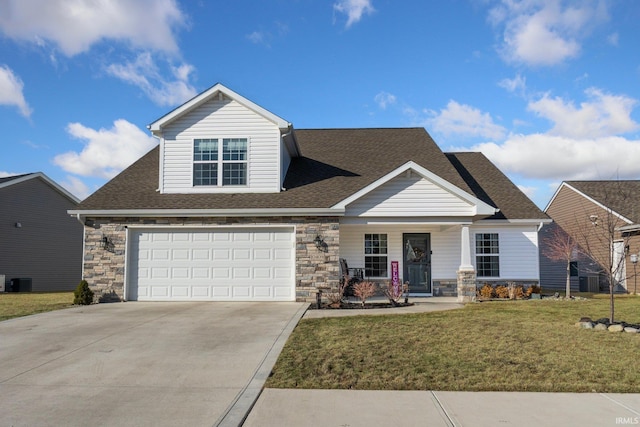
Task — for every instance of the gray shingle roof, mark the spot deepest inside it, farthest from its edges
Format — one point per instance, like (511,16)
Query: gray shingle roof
(622,197)
(334,164)
(11,178)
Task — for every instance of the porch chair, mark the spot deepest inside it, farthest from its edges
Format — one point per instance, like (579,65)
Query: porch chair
(353,275)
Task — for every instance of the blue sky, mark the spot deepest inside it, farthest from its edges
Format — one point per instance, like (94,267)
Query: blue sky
(548,90)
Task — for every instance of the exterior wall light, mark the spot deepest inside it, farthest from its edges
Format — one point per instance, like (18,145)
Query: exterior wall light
(319,241)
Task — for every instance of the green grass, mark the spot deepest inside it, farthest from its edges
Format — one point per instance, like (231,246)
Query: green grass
(23,304)
(490,346)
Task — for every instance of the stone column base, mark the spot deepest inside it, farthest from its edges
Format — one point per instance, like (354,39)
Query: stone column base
(466,286)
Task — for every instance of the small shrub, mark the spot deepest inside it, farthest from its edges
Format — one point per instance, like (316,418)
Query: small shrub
(393,292)
(502,291)
(364,290)
(519,292)
(533,289)
(83,295)
(487,291)
(335,296)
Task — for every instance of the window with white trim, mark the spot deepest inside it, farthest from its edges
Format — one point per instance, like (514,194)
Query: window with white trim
(217,164)
(375,255)
(487,255)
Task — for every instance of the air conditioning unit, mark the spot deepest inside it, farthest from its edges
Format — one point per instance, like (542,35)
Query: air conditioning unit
(2,289)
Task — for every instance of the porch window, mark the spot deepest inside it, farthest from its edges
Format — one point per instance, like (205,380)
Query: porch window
(375,255)
(487,255)
(220,164)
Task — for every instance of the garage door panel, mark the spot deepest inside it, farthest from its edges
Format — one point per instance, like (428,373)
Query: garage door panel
(222,264)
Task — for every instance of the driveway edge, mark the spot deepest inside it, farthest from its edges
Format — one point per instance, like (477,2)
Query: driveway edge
(237,412)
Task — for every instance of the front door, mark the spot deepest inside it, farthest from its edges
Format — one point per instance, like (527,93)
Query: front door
(417,263)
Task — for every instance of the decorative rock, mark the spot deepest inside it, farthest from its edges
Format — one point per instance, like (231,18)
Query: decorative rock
(600,327)
(584,319)
(631,330)
(585,325)
(616,328)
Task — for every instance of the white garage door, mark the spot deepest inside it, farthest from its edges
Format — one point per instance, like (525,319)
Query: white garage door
(248,264)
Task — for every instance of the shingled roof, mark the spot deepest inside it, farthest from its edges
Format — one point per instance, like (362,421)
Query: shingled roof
(623,197)
(334,164)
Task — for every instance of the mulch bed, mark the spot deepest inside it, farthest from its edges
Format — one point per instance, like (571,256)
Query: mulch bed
(358,306)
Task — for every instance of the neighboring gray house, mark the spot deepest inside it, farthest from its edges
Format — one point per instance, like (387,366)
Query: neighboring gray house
(237,205)
(38,239)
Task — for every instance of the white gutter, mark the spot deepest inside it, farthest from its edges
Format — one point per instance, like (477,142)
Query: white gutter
(209,212)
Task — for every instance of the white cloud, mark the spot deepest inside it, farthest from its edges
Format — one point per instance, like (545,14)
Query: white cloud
(545,32)
(556,157)
(516,84)
(603,115)
(144,73)
(383,99)
(613,39)
(354,9)
(464,120)
(74,26)
(257,37)
(75,186)
(11,91)
(106,151)
(4,174)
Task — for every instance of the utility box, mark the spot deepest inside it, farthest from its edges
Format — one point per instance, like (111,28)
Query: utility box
(22,284)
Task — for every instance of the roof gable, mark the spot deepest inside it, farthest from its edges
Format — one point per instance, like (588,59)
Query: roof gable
(217,90)
(621,198)
(446,194)
(12,180)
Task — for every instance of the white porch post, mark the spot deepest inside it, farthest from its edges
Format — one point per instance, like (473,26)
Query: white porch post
(466,273)
(465,250)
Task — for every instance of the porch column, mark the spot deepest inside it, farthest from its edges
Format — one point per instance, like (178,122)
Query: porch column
(466,274)
(465,250)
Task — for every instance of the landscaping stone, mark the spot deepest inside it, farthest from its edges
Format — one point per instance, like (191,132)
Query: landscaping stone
(616,328)
(631,330)
(600,327)
(585,325)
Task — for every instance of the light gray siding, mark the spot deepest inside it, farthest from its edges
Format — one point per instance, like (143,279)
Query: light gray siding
(48,246)
(221,119)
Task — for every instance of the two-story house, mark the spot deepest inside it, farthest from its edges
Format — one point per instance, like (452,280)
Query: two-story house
(236,204)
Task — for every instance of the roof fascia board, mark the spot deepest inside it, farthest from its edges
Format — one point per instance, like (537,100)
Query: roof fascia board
(481,207)
(156,127)
(47,180)
(514,221)
(207,212)
(592,200)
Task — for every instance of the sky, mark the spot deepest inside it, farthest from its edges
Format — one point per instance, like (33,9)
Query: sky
(548,90)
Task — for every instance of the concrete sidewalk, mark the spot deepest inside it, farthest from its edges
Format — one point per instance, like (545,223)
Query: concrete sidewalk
(420,305)
(355,408)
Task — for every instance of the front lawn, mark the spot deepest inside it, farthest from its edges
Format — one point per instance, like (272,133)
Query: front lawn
(24,304)
(489,346)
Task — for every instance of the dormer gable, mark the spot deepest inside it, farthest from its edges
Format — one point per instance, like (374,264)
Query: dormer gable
(220,142)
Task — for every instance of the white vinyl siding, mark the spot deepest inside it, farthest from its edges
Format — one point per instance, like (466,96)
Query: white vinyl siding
(220,119)
(518,251)
(518,248)
(445,246)
(410,196)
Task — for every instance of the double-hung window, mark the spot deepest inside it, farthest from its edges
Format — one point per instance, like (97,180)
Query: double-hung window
(220,161)
(487,255)
(375,255)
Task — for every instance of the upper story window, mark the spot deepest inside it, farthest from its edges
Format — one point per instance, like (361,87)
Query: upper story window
(487,255)
(220,164)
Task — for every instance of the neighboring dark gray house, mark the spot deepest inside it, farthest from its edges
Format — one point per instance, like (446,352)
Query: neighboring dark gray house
(38,238)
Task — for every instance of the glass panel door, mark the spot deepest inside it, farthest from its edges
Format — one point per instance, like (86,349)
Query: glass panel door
(417,263)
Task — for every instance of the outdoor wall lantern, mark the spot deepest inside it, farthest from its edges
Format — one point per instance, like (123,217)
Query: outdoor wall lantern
(107,243)
(593,219)
(319,241)
(18,225)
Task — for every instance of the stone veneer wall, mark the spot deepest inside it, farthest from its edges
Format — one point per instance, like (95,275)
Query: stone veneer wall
(104,269)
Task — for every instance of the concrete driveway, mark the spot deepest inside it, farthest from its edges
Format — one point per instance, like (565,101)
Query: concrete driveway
(140,364)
